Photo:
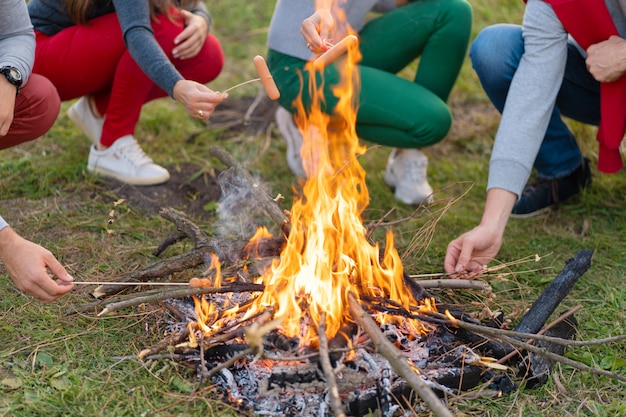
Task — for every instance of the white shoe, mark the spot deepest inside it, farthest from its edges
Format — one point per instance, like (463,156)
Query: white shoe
(81,115)
(126,162)
(291,134)
(406,172)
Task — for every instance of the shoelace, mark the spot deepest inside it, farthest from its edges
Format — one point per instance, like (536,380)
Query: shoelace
(537,185)
(133,153)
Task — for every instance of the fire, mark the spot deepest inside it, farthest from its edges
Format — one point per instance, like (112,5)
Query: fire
(327,254)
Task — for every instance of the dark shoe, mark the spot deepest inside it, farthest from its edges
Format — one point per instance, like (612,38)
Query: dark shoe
(542,194)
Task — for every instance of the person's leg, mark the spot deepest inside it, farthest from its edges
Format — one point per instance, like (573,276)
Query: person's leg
(435,31)
(36,109)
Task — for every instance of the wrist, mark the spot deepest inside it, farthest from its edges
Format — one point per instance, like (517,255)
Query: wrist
(7,238)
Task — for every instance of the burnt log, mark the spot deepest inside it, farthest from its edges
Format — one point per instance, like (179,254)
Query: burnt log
(556,291)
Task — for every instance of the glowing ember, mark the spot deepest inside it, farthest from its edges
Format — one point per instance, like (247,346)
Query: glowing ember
(327,254)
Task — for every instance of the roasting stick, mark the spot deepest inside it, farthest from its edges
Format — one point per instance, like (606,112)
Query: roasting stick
(193,283)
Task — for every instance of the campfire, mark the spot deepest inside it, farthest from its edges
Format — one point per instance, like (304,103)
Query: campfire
(319,320)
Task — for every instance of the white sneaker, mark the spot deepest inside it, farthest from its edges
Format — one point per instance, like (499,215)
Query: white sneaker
(291,134)
(81,115)
(126,161)
(406,172)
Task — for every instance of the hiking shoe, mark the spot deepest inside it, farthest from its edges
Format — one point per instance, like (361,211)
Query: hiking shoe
(293,137)
(81,115)
(542,194)
(125,161)
(406,174)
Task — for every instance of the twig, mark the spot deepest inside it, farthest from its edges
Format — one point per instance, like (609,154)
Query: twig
(513,338)
(543,330)
(457,284)
(179,293)
(397,359)
(329,373)
(240,84)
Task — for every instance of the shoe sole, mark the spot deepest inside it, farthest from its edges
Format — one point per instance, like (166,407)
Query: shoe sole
(533,214)
(127,180)
(71,113)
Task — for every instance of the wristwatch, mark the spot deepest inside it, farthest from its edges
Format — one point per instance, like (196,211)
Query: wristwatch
(14,76)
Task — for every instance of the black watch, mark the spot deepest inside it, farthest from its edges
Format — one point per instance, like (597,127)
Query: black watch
(14,76)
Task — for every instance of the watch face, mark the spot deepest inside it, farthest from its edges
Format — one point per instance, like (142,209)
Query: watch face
(14,72)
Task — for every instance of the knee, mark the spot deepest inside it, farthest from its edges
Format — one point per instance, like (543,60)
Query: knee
(496,49)
(46,103)
(435,130)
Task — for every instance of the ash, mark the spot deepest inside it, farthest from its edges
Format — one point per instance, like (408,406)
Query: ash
(288,379)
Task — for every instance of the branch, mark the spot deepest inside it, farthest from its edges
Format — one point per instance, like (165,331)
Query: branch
(397,359)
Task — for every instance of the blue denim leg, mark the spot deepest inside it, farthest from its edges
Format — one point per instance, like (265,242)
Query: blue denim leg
(496,53)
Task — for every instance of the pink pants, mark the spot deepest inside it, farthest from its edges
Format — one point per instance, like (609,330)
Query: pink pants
(93,60)
(36,109)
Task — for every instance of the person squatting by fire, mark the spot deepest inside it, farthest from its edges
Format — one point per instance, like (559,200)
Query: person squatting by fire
(407,115)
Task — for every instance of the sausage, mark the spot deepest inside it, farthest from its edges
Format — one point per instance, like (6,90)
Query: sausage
(200,282)
(336,51)
(266,78)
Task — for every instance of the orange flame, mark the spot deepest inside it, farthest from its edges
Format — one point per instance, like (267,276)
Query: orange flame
(327,254)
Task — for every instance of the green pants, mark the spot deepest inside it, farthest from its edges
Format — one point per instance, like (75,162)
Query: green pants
(392,110)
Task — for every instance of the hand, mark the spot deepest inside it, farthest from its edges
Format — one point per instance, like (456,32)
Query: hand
(606,60)
(7,105)
(316,29)
(199,100)
(468,254)
(28,265)
(189,42)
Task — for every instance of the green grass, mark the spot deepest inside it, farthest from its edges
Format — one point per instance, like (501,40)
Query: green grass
(51,364)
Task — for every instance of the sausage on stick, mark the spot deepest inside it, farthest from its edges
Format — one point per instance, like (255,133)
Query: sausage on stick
(266,78)
(335,52)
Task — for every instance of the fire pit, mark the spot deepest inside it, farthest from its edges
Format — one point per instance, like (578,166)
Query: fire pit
(331,325)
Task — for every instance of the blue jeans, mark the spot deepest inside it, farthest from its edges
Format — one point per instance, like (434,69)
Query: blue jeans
(495,56)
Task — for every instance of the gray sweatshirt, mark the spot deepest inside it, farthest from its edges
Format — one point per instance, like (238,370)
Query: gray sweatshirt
(48,16)
(284,33)
(17,43)
(533,92)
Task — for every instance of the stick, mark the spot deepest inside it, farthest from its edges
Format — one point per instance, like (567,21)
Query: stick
(329,373)
(397,359)
(130,283)
(183,292)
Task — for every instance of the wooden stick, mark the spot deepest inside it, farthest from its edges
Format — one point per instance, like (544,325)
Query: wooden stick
(397,359)
(131,283)
(329,372)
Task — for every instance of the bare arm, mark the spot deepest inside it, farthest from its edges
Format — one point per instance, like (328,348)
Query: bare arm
(606,60)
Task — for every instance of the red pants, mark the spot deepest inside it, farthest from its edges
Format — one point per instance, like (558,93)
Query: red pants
(93,60)
(36,109)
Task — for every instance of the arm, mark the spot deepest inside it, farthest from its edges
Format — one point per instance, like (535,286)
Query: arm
(17,49)
(529,104)
(28,265)
(318,27)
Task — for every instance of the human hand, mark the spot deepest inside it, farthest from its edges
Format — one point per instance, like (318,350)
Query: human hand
(316,29)
(606,60)
(7,105)
(469,254)
(197,99)
(28,264)
(190,40)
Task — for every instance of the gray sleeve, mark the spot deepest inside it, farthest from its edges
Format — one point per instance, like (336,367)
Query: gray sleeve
(134,20)
(530,99)
(17,39)
(3,223)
